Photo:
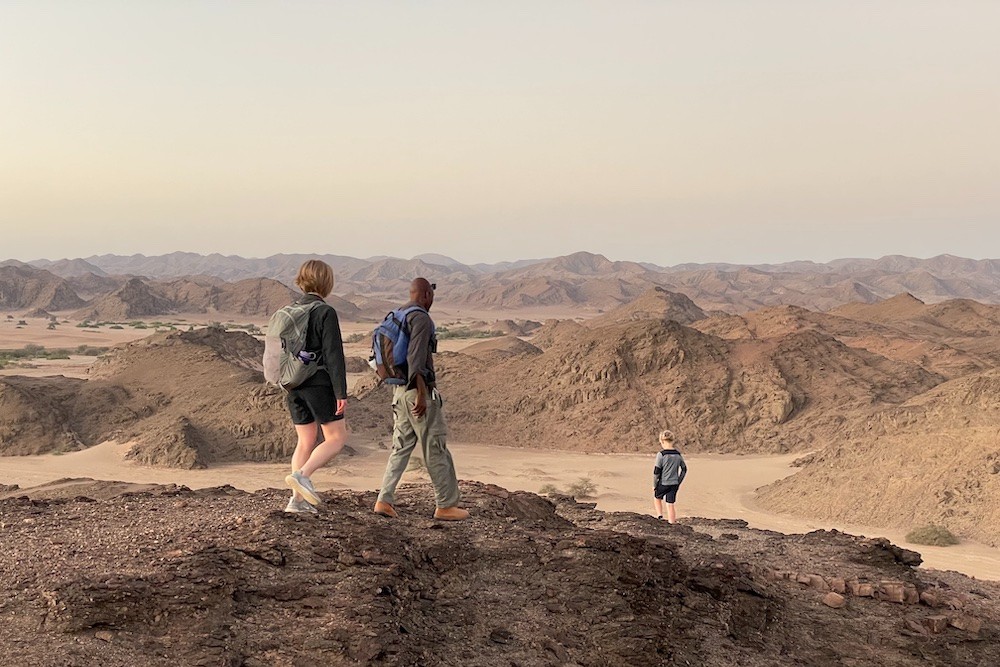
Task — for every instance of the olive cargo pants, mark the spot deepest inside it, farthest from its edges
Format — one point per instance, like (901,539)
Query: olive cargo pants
(431,432)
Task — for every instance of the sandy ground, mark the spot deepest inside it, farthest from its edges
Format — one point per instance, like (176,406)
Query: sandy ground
(717,486)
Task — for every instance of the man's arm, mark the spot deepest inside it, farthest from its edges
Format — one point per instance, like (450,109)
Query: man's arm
(418,353)
(417,359)
(684,471)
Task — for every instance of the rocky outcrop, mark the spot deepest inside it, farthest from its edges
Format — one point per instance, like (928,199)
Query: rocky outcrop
(23,286)
(164,576)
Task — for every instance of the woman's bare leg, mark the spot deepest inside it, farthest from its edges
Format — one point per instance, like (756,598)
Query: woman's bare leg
(334,437)
(307,436)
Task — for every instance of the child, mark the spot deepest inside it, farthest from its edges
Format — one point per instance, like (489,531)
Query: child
(323,397)
(668,473)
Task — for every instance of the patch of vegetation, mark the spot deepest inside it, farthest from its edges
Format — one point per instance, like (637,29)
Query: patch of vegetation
(33,351)
(549,489)
(116,326)
(90,351)
(465,332)
(250,328)
(138,325)
(356,338)
(582,488)
(932,535)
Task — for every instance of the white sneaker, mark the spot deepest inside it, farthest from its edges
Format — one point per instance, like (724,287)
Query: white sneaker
(300,507)
(299,482)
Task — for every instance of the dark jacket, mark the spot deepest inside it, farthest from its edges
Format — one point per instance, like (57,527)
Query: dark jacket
(323,336)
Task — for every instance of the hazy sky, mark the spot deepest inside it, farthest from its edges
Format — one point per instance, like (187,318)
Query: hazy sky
(663,131)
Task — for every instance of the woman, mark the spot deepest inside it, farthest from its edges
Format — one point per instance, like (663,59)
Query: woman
(319,402)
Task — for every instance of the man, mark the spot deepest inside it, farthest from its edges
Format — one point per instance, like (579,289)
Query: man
(417,416)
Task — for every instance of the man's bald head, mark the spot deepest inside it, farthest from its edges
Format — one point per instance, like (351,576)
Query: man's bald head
(422,292)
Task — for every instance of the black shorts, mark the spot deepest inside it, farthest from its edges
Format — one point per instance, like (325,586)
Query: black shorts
(313,403)
(667,492)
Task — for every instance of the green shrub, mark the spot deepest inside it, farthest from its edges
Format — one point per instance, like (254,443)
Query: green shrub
(582,488)
(932,535)
(116,326)
(444,333)
(549,489)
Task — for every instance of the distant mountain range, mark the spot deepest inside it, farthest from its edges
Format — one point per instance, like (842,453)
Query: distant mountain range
(582,279)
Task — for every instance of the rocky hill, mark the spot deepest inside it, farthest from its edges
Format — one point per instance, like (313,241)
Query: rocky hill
(135,299)
(24,287)
(612,388)
(654,304)
(102,573)
(186,399)
(932,459)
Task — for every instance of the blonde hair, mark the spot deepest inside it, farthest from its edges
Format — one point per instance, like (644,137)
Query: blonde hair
(666,434)
(315,276)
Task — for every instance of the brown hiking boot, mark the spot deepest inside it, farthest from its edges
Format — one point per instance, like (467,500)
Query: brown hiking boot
(451,514)
(385,509)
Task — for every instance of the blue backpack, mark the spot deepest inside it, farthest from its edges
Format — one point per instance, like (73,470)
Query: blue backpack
(390,342)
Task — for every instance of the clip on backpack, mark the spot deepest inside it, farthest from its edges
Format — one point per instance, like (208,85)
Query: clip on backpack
(390,342)
(287,363)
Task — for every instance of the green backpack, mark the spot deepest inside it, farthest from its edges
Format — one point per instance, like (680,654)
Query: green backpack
(287,363)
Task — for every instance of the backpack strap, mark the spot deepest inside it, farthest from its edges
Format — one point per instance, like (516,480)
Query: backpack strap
(405,312)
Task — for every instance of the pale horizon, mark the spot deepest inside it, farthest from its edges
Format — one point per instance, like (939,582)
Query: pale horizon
(668,133)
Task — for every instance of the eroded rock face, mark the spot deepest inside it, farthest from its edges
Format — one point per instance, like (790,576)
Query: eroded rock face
(168,576)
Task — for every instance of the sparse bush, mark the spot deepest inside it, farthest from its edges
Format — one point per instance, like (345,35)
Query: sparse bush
(52,325)
(465,332)
(355,338)
(33,350)
(116,326)
(549,489)
(582,488)
(932,535)
(22,323)
(138,325)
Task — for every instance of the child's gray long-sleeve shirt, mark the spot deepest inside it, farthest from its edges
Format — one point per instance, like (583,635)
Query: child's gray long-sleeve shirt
(670,468)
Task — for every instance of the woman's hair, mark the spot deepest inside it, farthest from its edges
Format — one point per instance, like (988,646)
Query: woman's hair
(315,276)
(667,434)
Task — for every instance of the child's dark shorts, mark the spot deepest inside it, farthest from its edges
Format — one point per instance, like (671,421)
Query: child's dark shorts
(313,403)
(666,492)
